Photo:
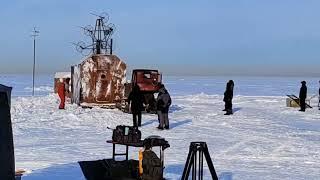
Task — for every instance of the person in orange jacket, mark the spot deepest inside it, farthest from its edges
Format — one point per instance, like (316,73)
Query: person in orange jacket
(62,94)
(63,89)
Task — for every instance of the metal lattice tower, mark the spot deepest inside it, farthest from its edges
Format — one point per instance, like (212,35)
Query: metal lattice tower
(100,35)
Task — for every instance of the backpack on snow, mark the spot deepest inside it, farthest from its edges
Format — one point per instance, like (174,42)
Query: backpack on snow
(126,134)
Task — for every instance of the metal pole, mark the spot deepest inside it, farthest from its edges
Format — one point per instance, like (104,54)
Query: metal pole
(34,35)
(111,44)
(34,63)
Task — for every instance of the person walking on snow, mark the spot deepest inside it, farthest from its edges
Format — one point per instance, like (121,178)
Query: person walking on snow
(136,100)
(228,95)
(303,96)
(163,104)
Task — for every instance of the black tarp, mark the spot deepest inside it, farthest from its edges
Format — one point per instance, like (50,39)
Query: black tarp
(7,166)
(6,90)
(109,169)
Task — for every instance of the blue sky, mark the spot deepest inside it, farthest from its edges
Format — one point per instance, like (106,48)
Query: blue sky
(203,37)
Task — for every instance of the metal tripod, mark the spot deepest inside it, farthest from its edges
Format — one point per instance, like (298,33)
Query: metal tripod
(195,149)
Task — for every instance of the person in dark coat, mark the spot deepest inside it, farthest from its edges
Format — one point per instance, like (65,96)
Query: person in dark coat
(228,95)
(151,164)
(163,105)
(136,100)
(303,96)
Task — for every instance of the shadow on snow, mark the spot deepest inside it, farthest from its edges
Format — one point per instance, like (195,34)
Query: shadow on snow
(175,171)
(61,172)
(179,123)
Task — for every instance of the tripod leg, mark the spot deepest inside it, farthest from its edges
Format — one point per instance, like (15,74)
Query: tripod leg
(194,167)
(200,165)
(210,164)
(187,167)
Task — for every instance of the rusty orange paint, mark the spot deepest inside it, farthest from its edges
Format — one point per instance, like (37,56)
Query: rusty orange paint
(102,79)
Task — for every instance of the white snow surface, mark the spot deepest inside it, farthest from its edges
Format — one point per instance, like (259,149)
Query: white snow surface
(262,140)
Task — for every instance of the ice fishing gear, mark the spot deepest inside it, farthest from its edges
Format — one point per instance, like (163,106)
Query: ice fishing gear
(129,168)
(153,166)
(192,161)
(126,134)
(156,141)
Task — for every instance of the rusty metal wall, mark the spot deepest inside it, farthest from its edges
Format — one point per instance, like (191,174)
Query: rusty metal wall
(102,79)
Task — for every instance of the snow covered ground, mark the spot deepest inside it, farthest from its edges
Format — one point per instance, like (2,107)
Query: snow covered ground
(264,139)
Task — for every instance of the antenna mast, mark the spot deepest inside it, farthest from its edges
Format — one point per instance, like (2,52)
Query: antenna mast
(100,36)
(34,34)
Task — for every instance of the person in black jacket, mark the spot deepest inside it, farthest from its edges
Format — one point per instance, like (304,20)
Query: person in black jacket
(303,96)
(163,104)
(228,95)
(136,100)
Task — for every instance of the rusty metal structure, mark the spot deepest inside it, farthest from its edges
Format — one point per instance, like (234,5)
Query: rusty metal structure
(149,82)
(99,79)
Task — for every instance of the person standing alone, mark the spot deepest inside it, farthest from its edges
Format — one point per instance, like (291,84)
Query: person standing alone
(303,96)
(136,100)
(63,90)
(228,95)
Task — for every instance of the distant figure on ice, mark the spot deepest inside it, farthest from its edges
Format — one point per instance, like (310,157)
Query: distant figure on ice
(303,96)
(63,89)
(163,104)
(228,95)
(136,100)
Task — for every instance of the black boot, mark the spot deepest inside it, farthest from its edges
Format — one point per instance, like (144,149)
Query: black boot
(229,112)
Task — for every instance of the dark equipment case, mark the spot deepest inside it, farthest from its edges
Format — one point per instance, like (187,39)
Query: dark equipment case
(110,169)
